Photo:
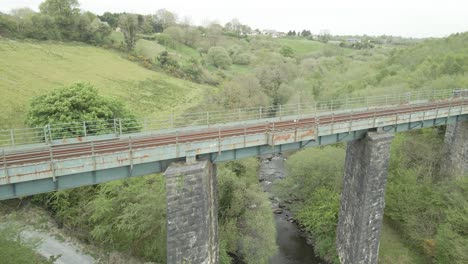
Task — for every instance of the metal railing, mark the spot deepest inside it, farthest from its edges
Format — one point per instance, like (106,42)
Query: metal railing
(118,127)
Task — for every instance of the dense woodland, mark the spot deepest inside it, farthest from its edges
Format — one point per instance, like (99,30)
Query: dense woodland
(234,67)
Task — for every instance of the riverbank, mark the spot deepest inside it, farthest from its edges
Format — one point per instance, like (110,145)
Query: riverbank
(292,242)
(39,232)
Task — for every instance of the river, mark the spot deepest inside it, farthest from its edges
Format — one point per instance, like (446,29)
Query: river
(293,246)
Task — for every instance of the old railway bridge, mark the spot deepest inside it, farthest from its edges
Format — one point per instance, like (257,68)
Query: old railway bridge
(187,147)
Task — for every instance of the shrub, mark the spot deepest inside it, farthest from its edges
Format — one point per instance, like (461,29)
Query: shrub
(219,57)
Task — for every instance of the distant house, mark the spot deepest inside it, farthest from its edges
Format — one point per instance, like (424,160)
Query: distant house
(353,40)
(273,33)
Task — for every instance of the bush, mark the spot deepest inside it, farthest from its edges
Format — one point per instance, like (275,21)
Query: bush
(244,58)
(245,218)
(287,51)
(166,40)
(219,57)
(429,212)
(314,180)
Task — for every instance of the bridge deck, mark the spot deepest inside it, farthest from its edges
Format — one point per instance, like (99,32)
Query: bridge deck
(33,169)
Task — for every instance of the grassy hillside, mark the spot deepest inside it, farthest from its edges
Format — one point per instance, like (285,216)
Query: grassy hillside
(31,68)
(302,47)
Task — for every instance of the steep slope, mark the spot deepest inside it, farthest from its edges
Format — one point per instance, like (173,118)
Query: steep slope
(30,68)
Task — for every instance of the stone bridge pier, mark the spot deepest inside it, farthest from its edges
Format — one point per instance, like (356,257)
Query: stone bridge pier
(363,199)
(192,213)
(455,158)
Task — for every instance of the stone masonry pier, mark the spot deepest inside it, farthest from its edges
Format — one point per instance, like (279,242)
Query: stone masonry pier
(363,199)
(192,215)
(455,159)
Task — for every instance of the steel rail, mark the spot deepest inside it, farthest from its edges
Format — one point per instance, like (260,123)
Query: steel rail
(119,127)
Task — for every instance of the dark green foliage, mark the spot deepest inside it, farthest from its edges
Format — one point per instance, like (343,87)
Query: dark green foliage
(319,216)
(7,25)
(242,92)
(287,51)
(166,40)
(219,57)
(128,23)
(111,18)
(245,218)
(128,215)
(314,181)
(57,20)
(77,103)
(167,61)
(194,70)
(306,33)
(430,213)
(64,12)
(357,45)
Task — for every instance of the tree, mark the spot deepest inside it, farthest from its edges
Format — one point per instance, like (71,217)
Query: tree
(129,25)
(176,33)
(219,57)
(242,92)
(305,33)
(7,25)
(77,103)
(90,29)
(287,51)
(64,13)
(166,61)
(324,36)
(111,18)
(166,18)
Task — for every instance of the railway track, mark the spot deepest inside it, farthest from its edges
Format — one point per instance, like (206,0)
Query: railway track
(65,151)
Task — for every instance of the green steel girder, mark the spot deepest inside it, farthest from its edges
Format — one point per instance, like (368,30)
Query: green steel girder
(211,151)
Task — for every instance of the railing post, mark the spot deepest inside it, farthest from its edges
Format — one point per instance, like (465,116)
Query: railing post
(280,111)
(208,118)
(84,128)
(239,110)
(260,112)
(12,137)
(5,169)
(120,126)
(172,119)
(315,111)
(52,164)
(50,133)
(219,140)
(46,137)
(115,127)
(93,155)
(130,154)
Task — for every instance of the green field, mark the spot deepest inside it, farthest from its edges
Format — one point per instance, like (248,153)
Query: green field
(302,47)
(31,68)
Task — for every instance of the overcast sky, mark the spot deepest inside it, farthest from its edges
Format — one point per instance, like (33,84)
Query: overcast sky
(409,18)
